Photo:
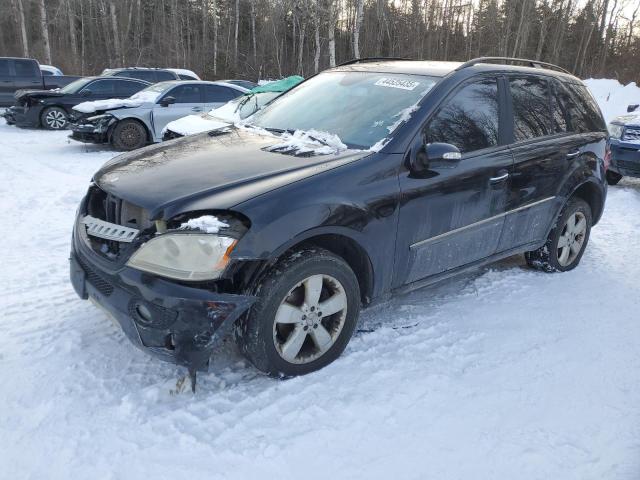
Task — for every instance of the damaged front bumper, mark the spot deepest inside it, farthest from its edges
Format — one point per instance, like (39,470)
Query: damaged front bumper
(96,131)
(173,322)
(23,116)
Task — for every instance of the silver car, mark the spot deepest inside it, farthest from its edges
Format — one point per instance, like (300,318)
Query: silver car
(136,121)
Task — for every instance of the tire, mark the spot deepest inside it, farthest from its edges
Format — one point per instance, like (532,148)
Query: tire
(613,178)
(54,118)
(553,258)
(286,294)
(129,135)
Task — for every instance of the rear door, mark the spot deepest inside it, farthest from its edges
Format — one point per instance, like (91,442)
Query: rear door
(188,100)
(543,148)
(6,83)
(453,215)
(27,74)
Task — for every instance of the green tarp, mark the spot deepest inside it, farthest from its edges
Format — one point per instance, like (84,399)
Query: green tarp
(279,85)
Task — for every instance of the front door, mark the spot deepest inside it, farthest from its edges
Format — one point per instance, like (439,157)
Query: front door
(188,101)
(454,214)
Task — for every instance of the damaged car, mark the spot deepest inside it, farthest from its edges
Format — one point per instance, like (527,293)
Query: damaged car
(373,178)
(625,146)
(233,111)
(132,123)
(51,109)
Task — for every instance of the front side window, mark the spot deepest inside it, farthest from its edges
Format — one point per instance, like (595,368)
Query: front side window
(470,119)
(531,112)
(362,108)
(186,94)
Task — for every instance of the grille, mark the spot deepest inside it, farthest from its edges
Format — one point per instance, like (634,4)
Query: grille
(631,134)
(102,285)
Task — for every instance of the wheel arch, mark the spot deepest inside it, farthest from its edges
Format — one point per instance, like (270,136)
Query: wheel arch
(132,119)
(594,195)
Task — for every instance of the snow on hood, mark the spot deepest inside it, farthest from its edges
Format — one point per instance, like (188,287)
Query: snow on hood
(134,101)
(193,124)
(302,142)
(206,223)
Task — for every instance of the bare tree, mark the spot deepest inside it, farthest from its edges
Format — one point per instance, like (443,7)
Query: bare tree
(358,26)
(23,28)
(44,24)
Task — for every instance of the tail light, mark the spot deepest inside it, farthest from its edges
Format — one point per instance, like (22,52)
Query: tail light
(607,158)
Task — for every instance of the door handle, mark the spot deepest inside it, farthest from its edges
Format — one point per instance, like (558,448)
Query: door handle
(499,178)
(196,109)
(573,154)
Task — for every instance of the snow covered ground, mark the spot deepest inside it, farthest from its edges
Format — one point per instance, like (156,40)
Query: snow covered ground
(505,374)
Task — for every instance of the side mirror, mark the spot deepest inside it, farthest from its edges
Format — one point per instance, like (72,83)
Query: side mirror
(166,101)
(85,93)
(632,108)
(434,155)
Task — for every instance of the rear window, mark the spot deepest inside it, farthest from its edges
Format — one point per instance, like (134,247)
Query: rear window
(26,68)
(531,113)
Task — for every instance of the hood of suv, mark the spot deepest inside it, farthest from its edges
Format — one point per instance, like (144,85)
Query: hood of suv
(23,94)
(219,169)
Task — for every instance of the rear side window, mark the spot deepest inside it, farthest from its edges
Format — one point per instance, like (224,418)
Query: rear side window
(26,68)
(583,110)
(139,74)
(218,94)
(129,87)
(163,76)
(4,68)
(469,120)
(186,94)
(531,113)
(560,109)
(101,87)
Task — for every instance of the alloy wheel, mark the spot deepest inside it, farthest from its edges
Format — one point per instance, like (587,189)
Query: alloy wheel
(309,319)
(571,239)
(55,119)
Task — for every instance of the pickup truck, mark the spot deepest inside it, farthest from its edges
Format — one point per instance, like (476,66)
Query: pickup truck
(24,73)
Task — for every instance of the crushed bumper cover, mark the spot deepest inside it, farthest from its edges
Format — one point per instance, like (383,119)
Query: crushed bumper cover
(89,133)
(21,117)
(173,322)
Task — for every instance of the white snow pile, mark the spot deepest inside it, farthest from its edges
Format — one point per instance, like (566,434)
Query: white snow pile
(206,223)
(309,141)
(184,71)
(135,100)
(612,96)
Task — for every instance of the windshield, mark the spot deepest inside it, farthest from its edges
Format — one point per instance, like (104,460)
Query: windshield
(75,86)
(153,92)
(362,108)
(243,107)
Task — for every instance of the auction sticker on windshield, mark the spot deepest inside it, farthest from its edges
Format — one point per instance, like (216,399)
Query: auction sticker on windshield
(397,83)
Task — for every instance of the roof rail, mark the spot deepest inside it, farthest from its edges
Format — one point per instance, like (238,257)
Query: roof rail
(531,63)
(370,59)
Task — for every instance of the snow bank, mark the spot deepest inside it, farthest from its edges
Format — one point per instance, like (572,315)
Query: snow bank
(309,141)
(206,223)
(612,96)
(134,101)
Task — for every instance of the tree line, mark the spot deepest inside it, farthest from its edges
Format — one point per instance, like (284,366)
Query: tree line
(273,38)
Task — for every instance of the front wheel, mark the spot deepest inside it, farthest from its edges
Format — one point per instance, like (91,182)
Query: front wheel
(129,135)
(54,118)
(567,240)
(306,312)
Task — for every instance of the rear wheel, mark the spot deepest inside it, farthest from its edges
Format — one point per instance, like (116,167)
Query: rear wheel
(54,118)
(613,178)
(129,135)
(306,311)
(567,241)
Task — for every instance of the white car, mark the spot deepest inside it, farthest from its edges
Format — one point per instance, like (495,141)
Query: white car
(136,121)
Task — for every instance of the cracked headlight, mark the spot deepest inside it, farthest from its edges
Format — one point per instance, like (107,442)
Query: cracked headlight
(184,256)
(100,118)
(615,131)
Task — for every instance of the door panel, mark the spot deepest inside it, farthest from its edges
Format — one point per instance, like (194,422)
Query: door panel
(27,75)
(453,215)
(6,83)
(189,101)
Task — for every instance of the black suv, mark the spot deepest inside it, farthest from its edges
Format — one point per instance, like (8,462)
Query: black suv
(368,179)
